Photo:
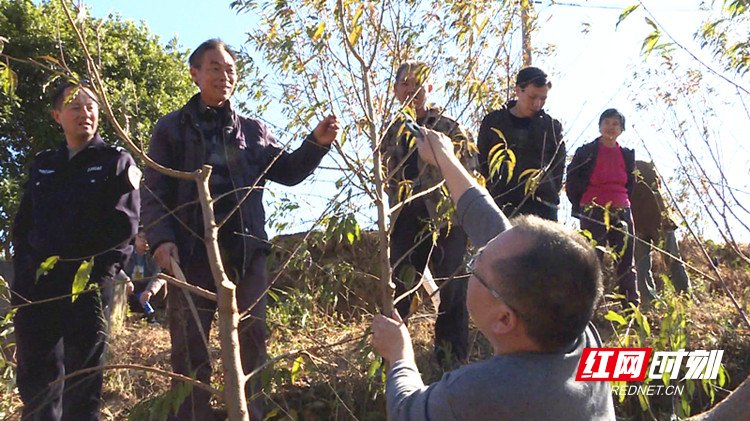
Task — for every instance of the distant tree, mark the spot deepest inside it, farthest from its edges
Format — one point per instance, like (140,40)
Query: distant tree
(727,35)
(145,80)
(345,53)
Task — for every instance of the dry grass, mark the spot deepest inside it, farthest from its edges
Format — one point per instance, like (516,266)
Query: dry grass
(331,338)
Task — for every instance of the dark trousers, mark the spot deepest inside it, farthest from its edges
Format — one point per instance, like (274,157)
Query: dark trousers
(620,237)
(677,273)
(57,338)
(411,238)
(189,353)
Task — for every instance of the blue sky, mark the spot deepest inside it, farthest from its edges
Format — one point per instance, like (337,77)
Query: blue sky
(591,71)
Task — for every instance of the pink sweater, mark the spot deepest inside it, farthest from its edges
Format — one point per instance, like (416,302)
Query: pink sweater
(608,180)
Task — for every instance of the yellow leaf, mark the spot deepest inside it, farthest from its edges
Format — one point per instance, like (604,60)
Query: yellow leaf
(356,25)
(511,163)
(319,30)
(606,218)
(529,172)
(500,135)
(354,35)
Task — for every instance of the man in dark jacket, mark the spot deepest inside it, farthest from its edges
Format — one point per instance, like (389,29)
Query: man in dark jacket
(243,154)
(521,151)
(413,247)
(79,205)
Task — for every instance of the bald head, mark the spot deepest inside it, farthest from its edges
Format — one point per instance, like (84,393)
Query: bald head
(551,277)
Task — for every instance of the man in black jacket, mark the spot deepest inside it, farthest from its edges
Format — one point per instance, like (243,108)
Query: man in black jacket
(79,205)
(521,152)
(243,154)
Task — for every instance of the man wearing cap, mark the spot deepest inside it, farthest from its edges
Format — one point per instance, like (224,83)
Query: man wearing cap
(244,155)
(532,291)
(521,151)
(80,206)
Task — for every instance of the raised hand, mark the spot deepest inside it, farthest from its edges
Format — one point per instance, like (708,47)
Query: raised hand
(327,130)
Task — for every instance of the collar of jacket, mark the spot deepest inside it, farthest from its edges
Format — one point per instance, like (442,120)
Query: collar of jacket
(512,103)
(96,142)
(231,122)
(433,111)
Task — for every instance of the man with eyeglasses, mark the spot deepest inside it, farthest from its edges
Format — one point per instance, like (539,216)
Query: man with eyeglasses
(521,152)
(531,292)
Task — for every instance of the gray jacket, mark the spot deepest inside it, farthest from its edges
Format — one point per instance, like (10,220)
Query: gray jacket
(522,386)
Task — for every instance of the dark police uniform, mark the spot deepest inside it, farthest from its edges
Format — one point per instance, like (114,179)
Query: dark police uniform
(76,208)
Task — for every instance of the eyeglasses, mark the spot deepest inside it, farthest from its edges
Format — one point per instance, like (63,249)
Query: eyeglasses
(470,268)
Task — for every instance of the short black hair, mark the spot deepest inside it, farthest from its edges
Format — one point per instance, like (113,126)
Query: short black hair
(532,76)
(421,69)
(553,284)
(196,58)
(58,95)
(613,113)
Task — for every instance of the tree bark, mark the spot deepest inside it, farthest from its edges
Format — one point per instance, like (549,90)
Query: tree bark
(526,27)
(735,407)
(234,381)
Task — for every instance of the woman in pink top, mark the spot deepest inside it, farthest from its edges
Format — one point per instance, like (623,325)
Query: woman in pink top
(599,183)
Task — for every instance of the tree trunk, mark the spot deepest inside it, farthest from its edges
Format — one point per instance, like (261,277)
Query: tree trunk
(526,27)
(119,310)
(234,379)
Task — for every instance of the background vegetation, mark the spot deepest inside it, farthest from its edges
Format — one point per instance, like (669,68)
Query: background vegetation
(340,56)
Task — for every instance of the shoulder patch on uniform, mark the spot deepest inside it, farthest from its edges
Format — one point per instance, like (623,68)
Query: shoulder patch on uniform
(134,176)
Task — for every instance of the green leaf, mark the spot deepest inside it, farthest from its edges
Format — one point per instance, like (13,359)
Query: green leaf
(644,323)
(643,400)
(8,78)
(299,363)
(272,413)
(82,278)
(625,13)
(375,364)
(722,379)
(46,266)
(615,317)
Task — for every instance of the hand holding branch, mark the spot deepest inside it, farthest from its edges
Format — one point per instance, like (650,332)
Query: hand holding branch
(327,130)
(391,339)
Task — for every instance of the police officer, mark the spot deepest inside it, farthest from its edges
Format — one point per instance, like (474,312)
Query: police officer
(81,203)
